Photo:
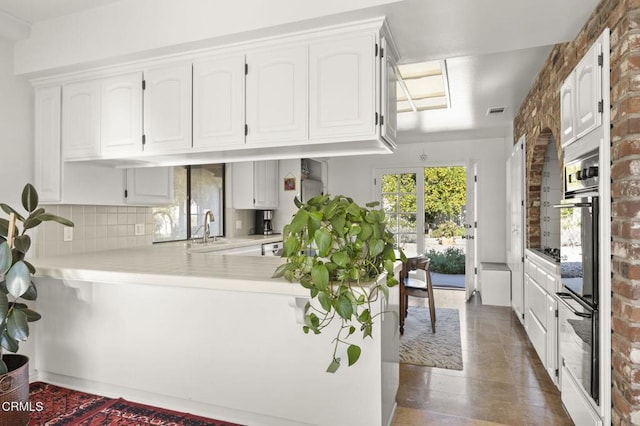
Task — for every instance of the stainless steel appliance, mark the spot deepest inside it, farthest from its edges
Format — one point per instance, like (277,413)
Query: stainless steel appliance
(578,310)
(310,188)
(272,249)
(264,222)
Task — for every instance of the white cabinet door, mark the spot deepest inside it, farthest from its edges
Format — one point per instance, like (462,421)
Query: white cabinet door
(567,110)
(48,171)
(81,120)
(552,338)
(121,124)
(388,95)
(277,101)
(265,184)
(167,109)
(218,102)
(588,92)
(342,87)
(255,184)
(149,186)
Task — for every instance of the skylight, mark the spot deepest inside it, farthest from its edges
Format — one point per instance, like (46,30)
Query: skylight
(422,86)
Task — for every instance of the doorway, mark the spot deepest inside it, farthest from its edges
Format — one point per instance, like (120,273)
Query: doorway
(430,213)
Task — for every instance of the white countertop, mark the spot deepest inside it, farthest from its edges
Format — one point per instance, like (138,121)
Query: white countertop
(169,264)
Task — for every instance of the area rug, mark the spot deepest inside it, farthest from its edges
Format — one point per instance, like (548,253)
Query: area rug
(61,406)
(419,346)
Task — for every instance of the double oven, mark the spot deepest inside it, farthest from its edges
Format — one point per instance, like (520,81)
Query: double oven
(578,312)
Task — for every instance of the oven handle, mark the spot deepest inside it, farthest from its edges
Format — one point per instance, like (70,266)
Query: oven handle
(572,205)
(562,296)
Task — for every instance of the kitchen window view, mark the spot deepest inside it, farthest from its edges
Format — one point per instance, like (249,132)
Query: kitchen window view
(197,189)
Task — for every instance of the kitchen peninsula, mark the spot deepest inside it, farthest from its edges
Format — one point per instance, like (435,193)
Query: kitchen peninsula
(205,333)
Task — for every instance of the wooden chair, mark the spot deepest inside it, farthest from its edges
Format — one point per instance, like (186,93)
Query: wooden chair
(418,284)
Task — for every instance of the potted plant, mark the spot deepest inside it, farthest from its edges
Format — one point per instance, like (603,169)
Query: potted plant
(338,250)
(16,288)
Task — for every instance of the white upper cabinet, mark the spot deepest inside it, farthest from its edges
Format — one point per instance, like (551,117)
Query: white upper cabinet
(81,120)
(121,125)
(167,109)
(567,110)
(342,86)
(277,101)
(255,184)
(149,186)
(581,97)
(389,98)
(47,169)
(218,102)
(588,91)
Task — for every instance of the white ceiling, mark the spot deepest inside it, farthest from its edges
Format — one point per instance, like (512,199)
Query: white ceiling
(494,50)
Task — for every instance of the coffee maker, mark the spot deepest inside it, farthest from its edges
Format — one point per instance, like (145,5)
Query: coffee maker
(263,222)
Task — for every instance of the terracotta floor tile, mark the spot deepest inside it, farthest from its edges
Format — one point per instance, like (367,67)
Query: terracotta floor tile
(503,381)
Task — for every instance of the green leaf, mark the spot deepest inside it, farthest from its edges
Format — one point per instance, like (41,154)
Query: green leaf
(352,330)
(47,217)
(4,305)
(3,367)
(322,239)
(32,222)
(291,246)
(8,342)
(364,316)
(354,210)
(32,315)
(22,243)
(355,229)
(280,270)
(367,331)
(373,204)
(325,300)
(343,307)
(333,367)
(337,225)
(375,247)
(5,258)
(18,279)
(353,353)
(320,277)
(340,258)
(299,221)
(297,202)
(29,198)
(8,210)
(31,293)
(32,268)
(17,325)
(367,231)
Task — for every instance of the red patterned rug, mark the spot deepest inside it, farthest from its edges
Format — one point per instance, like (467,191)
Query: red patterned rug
(54,405)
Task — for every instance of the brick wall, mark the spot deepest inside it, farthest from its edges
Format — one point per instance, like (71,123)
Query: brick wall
(538,121)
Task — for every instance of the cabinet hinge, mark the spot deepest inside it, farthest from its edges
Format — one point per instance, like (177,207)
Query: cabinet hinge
(381,120)
(475,178)
(522,203)
(523,316)
(246,130)
(475,224)
(600,106)
(376,118)
(381,52)
(126,193)
(475,271)
(375,181)
(246,69)
(556,314)
(144,84)
(522,259)
(376,50)
(144,139)
(600,59)
(557,372)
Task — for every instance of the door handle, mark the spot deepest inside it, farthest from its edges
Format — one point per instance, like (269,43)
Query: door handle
(563,296)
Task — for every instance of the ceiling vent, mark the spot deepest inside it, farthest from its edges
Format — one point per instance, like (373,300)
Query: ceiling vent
(495,110)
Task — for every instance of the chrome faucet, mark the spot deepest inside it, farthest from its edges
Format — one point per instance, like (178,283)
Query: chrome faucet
(208,217)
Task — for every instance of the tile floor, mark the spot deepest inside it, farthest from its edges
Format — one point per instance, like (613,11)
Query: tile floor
(503,381)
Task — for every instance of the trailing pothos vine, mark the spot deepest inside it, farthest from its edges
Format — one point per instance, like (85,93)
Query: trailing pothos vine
(337,249)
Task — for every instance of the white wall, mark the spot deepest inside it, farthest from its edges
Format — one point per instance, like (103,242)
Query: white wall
(16,129)
(353,176)
(163,26)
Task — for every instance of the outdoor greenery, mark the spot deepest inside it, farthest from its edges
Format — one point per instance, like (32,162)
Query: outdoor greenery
(451,261)
(15,271)
(448,229)
(337,249)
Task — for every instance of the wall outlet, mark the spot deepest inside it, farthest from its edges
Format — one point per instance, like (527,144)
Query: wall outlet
(67,233)
(238,224)
(139,229)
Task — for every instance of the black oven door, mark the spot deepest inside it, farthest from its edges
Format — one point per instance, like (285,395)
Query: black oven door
(579,248)
(578,342)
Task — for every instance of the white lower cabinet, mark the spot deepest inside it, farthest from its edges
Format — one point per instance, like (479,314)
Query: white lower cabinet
(579,408)
(541,282)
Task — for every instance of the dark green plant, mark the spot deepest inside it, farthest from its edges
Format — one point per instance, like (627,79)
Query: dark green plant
(451,261)
(337,250)
(16,272)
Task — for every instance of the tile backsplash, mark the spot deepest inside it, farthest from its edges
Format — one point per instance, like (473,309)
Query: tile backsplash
(96,228)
